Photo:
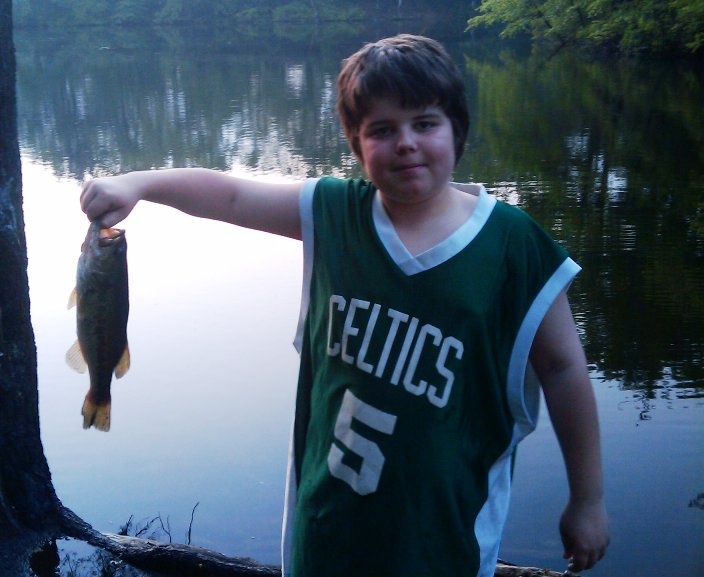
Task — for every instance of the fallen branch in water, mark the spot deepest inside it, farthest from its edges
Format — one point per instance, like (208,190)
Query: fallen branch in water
(191,561)
(504,569)
(177,559)
(165,558)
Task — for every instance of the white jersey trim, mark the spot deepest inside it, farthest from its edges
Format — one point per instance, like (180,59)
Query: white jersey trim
(523,390)
(412,264)
(489,524)
(522,385)
(291,487)
(305,205)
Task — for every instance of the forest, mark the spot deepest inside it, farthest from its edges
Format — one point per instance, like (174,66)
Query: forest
(168,12)
(627,26)
(666,27)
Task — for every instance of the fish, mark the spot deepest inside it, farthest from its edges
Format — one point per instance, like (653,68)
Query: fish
(101,298)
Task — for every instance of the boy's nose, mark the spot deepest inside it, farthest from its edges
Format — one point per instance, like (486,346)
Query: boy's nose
(406,140)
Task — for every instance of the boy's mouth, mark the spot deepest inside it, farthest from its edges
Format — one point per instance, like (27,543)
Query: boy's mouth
(408,167)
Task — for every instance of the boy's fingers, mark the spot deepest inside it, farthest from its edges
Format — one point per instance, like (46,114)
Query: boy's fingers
(576,564)
(87,200)
(86,192)
(99,208)
(584,560)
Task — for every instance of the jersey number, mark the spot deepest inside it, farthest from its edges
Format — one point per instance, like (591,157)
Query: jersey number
(365,479)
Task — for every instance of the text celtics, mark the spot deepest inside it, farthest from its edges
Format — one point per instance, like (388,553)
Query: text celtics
(392,345)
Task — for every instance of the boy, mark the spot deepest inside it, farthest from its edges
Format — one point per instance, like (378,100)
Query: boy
(427,308)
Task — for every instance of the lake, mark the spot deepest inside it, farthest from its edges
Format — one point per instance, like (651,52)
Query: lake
(608,155)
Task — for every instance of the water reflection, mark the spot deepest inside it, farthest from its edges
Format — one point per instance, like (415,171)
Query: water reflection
(606,155)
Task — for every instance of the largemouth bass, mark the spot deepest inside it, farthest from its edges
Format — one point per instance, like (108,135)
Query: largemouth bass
(101,298)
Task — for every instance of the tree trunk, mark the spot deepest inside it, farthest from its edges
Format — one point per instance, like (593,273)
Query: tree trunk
(27,497)
(29,508)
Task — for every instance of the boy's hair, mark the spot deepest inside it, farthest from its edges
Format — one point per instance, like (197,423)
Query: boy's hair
(415,70)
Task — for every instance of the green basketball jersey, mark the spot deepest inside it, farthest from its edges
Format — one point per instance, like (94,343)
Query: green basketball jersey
(412,391)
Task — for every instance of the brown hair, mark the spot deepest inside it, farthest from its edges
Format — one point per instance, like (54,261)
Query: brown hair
(413,69)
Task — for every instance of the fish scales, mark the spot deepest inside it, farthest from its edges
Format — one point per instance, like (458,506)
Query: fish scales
(101,298)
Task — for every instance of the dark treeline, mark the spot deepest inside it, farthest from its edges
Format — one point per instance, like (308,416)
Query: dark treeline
(50,13)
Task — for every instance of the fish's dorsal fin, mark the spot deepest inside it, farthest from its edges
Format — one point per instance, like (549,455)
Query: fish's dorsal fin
(124,364)
(72,299)
(75,359)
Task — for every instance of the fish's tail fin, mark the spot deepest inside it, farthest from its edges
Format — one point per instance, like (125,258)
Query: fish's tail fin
(96,415)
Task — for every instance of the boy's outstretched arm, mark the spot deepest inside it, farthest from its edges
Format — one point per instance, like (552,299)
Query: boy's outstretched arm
(271,207)
(558,359)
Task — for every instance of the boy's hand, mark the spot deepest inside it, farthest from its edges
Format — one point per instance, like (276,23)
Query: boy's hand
(585,533)
(109,199)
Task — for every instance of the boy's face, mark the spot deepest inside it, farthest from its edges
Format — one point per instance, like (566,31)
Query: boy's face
(409,153)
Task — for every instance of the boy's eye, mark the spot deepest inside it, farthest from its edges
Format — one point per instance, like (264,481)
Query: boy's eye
(379,131)
(425,124)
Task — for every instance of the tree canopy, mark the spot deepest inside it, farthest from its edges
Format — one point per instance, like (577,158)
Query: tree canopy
(658,26)
(628,26)
(45,13)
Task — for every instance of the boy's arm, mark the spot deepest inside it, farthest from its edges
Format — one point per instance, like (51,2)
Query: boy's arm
(559,362)
(201,192)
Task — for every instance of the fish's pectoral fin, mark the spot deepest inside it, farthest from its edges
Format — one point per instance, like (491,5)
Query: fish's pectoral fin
(124,363)
(97,416)
(75,359)
(72,299)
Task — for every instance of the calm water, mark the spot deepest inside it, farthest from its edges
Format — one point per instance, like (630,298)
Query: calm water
(608,156)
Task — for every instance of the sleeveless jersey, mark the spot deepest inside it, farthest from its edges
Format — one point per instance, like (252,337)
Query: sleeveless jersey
(412,392)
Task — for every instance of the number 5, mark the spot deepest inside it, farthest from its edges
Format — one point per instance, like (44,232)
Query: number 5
(366,480)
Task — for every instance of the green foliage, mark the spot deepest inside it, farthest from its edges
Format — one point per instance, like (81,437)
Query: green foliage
(129,12)
(659,26)
(296,12)
(75,13)
(310,11)
(253,15)
(690,22)
(96,11)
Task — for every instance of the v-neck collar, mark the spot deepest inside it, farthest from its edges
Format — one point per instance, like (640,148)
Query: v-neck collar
(412,264)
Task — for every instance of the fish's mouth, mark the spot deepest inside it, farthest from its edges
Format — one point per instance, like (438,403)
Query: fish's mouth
(109,235)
